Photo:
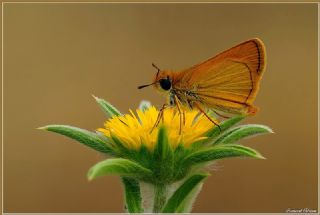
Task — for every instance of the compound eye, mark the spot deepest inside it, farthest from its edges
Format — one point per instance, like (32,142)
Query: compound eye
(165,84)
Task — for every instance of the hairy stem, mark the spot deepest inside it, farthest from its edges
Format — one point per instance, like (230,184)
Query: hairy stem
(160,197)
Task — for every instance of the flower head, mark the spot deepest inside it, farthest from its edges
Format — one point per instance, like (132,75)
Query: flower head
(136,129)
(164,156)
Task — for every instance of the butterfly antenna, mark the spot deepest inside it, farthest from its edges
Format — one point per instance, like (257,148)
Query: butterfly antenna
(157,68)
(143,86)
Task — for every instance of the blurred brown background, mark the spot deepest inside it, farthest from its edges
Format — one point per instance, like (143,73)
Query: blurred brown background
(57,55)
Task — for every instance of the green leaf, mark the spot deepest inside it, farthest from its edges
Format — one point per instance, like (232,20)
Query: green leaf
(132,195)
(108,108)
(144,105)
(241,132)
(163,149)
(120,147)
(181,194)
(118,166)
(178,168)
(219,152)
(163,157)
(144,156)
(187,204)
(224,125)
(83,136)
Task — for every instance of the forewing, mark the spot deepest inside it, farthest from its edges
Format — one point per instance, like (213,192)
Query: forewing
(230,80)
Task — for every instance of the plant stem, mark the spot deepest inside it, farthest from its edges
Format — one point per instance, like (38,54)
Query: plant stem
(160,197)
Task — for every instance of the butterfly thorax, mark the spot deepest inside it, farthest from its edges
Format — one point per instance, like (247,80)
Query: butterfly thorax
(169,83)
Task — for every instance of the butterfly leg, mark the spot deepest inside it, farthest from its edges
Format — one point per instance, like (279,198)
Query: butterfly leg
(181,113)
(219,114)
(159,117)
(202,111)
(184,117)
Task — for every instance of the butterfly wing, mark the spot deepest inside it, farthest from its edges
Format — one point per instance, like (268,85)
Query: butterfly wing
(228,82)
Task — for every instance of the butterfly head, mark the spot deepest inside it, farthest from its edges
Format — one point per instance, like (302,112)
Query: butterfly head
(162,80)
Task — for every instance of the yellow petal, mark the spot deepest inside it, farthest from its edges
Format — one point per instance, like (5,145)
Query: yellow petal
(134,129)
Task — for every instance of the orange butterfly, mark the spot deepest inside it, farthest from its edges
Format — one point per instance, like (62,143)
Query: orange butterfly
(228,82)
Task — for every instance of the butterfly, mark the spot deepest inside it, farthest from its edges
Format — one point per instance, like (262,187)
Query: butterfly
(227,83)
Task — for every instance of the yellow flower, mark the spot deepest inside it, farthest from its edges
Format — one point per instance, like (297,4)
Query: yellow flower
(133,130)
